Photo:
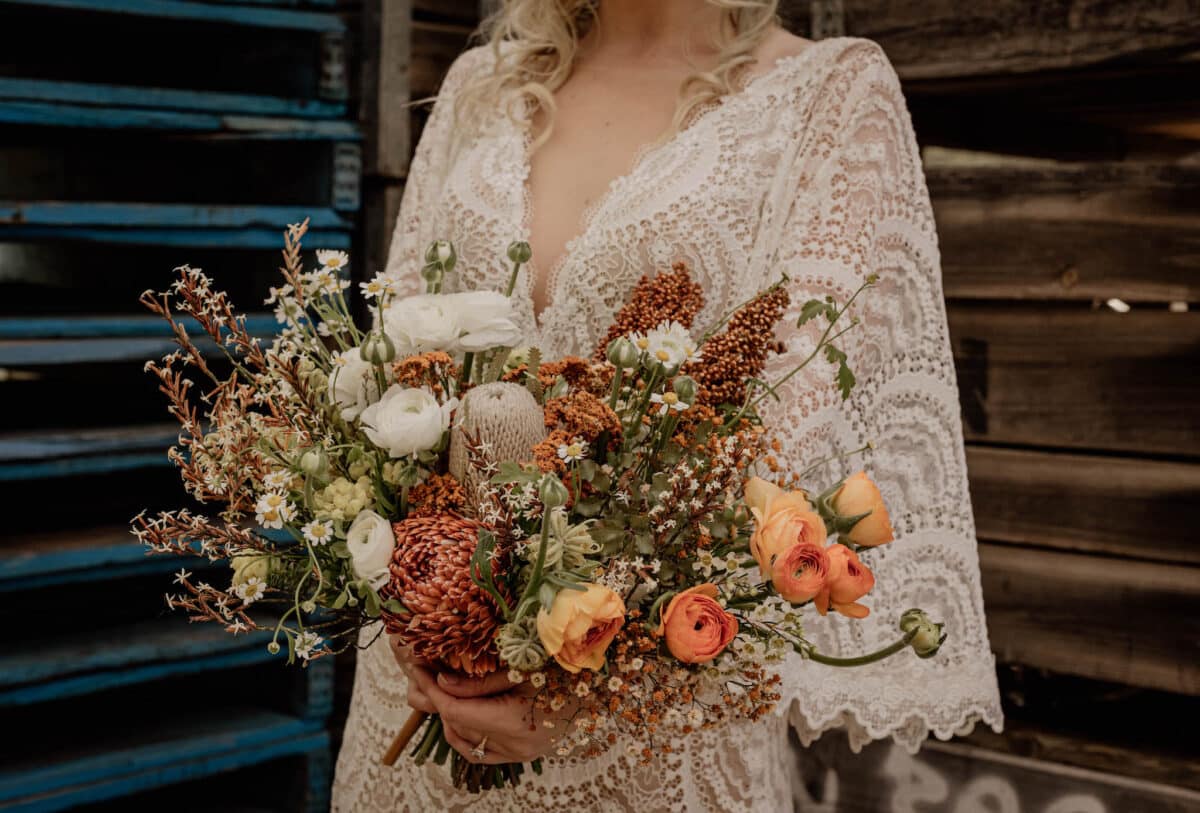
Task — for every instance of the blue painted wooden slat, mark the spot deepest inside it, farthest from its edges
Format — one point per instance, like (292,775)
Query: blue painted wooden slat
(48,445)
(171,753)
(170,224)
(249,128)
(165,215)
(208,12)
(107,464)
(50,352)
(45,327)
(84,94)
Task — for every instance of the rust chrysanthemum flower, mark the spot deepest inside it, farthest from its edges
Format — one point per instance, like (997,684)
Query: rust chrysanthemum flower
(447,619)
(584,416)
(655,300)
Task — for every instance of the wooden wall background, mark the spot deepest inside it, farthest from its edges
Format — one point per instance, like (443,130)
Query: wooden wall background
(1061,143)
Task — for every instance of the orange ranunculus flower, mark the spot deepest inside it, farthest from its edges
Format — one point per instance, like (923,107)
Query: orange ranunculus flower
(696,626)
(848,581)
(580,625)
(782,519)
(858,496)
(801,572)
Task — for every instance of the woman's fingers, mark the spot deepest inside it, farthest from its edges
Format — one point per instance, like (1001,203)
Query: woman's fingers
(461,686)
(464,742)
(417,699)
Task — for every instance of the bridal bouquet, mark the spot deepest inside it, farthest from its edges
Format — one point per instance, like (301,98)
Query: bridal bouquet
(613,532)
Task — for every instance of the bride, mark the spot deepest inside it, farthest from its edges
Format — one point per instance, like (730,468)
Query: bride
(620,136)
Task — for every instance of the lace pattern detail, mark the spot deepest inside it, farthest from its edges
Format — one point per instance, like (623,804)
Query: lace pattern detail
(811,171)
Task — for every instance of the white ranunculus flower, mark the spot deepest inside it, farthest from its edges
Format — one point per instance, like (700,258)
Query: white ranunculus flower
(352,384)
(486,320)
(370,541)
(407,420)
(671,345)
(419,324)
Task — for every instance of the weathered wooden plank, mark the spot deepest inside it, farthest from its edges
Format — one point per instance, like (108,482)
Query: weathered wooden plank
(38,114)
(166,99)
(953,776)
(1125,621)
(385,87)
(946,38)
(1097,504)
(56,352)
(461,11)
(165,215)
(171,752)
(149,650)
(183,238)
(434,48)
(53,443)
(79,327)
(64,557)
(1073,377)
(243,15)
(1029,229)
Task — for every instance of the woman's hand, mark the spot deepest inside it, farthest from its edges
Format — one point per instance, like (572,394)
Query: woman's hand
(418,673)
(472,708)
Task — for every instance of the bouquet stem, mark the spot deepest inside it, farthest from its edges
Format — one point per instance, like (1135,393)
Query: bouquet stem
(411,725)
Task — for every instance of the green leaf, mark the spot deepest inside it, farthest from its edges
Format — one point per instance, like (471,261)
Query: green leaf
(834,355)
(589,507)
(340,549)
(511,472)
(811,310)
(845,380)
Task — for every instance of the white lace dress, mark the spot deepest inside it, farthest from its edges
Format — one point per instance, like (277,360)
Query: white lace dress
(811,170)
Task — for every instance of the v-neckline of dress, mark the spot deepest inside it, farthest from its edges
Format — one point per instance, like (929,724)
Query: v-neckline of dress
(589,214)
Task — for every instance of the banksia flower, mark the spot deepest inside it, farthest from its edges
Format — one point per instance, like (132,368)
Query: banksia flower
(447,618)
(654,300)
(738,352)
(502,415)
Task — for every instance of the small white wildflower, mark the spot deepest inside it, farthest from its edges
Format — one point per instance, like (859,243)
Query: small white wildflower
(537,680)
(307,644)
(250,590)
(695,715)
(273,510)
(570,452)
(376,287)
(182,575)
(318,532)
(332,260)
(615,684)
(582,689)
(669,400)
(276,480)
(515,676)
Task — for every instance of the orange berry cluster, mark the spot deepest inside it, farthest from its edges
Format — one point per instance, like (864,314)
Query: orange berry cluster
(739,352)
(654,300)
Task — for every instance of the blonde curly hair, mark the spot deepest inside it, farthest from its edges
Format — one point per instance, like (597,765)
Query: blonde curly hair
(535,42)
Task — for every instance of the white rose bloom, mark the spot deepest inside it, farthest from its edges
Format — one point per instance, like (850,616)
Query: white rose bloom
(370,541)
(352,384)
(419,324)
(486,320)
(407,420)
(671,344)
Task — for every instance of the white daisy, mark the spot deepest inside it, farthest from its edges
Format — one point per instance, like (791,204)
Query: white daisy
(669,400)
(331,260)
(276,480)
(273,510)
(376,287)
(318,532)
(250,590)
(570,452)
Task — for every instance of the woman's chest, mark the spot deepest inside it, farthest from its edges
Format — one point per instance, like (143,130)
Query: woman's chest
(696,198)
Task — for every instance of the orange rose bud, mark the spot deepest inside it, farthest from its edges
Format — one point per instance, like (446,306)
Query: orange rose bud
(848,581)
(696,626)
(800,574)
(580,625)
(858,495)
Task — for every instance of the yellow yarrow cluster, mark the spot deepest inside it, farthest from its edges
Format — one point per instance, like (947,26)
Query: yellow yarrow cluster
(342,499)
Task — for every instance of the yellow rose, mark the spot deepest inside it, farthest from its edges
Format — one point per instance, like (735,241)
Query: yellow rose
(782,519)
(858,496)
(580,625)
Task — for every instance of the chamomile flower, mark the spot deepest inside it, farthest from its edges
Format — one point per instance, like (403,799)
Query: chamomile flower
(273,510)
(377,287)
(332,260)
(570,452)
(276,480)
(704,562)
(277,294)
(669,400)
(318,532)
(251,590)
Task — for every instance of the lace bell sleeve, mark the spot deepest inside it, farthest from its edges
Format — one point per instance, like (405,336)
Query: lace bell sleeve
(854,203)
(417,222)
